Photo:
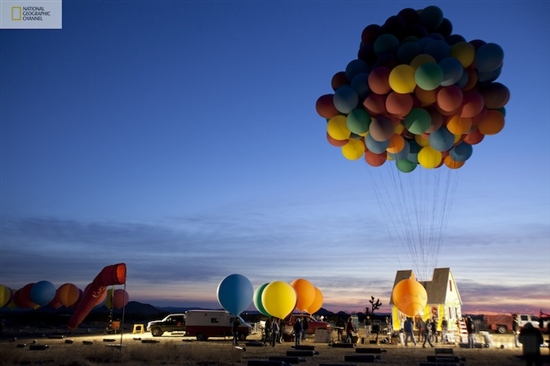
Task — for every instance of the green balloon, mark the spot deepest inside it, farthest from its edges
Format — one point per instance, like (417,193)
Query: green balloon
(429,76)
(417,121)
(405,166)
(358,121)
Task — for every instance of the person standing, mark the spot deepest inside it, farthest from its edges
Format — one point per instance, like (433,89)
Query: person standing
(444,330)
(297,332)
(274,331)
(267,331)
(471,329)
(304,329)
(427,333)
(409,329)
(235,331)
(515,329)
(368,326)
(350,329)
(531,338)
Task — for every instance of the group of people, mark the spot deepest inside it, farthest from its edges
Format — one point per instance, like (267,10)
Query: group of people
(274,330)
(427,330)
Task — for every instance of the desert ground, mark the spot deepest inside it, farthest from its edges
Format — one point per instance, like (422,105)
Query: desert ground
(94,347)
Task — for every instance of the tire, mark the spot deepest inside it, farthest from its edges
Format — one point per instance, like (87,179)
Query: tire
(156,332)
(501,329)
(201,337)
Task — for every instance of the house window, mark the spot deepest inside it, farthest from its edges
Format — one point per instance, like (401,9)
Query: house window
(450,313)
(450,285)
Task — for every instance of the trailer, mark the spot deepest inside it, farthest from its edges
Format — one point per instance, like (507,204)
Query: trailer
(204,324)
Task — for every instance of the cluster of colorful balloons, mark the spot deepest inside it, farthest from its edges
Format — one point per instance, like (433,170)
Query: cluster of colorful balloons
(410,297)
(279,299)
(417,94)
(44,293)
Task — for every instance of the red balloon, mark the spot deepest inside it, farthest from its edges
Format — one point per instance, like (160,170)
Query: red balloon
(375,105)
(375,160)
(335,142)
(399,104)
(379,80)
(449,98)
(472,104)
(325,107)
(495,95)
(474,137)
(120,299)
(22,297)
(339,79)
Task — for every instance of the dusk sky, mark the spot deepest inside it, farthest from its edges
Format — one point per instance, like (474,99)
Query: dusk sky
(181,138)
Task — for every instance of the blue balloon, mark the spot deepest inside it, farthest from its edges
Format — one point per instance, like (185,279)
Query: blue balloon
(461,152)
(403,153)
(345,99)
(42,292)
(360,83)
(489,57)
(377,147)
(452,71)
(235,293)
(413,153)
(356,67)
(441,139)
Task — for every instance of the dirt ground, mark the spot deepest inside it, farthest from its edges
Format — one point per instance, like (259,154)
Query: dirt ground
(15,349)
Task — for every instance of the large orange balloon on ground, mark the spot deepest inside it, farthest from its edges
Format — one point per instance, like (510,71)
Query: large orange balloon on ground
(67,294)
(305,293)
(317,303)
(410,297)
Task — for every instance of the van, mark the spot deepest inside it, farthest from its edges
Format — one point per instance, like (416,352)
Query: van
(204,324)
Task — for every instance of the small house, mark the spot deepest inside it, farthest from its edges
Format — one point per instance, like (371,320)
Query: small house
(443,299)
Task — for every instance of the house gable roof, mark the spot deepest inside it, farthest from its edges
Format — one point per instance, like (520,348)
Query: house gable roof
(437,289)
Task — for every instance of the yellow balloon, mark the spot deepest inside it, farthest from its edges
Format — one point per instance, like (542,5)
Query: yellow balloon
(410,297)
(279,299)
(5,295)
(429,158)
(421,140)
(337,128)
(464,52)
(402,80)
(353,150)
(399,128)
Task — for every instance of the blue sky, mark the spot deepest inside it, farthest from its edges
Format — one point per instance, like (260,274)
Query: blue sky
(181,138)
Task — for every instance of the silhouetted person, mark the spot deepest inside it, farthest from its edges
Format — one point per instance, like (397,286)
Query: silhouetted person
(531,338)
(235,331)
(471,329)
(304,329)
(368,326)
(297,332)
(427,333)
(409,329)
(274,331)
(515,329)
(350,329)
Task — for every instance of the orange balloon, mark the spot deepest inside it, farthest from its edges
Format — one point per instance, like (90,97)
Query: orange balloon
(426,97)
(451,164)
(67,294)
(305,293)
(317,302)
(458,125)
(379,80)
(492,123)
(410,297)
(396,144)
(472,79)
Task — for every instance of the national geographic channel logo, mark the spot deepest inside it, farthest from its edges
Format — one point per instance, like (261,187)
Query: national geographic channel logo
(36,14)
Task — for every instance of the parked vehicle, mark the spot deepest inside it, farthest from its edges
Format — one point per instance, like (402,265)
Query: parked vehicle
(204,324)
(171,323)
(312,323)
(502,323)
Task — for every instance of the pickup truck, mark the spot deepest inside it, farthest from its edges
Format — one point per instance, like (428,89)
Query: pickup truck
(172,323)
(502,323)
